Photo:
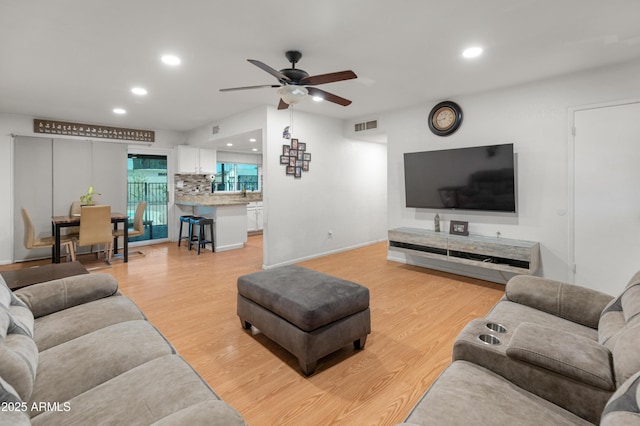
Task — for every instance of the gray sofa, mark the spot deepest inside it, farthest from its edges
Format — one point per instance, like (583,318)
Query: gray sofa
(75,351)
(548,353)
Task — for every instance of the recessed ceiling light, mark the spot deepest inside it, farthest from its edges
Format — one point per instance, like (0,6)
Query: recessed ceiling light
(140,91)
(254,149)
(171,60)
(252,140)
(318,98)
(229,144)
(472,52)
(119,111)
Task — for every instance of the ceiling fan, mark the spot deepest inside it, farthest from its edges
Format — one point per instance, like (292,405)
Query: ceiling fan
(295,83)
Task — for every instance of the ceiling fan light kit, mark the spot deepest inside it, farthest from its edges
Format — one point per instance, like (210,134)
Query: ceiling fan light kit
(296,83)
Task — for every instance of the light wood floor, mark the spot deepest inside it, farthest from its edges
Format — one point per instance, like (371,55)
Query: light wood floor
(416,314)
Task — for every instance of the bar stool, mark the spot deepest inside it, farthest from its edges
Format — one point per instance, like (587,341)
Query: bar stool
(201,223)
(186,219)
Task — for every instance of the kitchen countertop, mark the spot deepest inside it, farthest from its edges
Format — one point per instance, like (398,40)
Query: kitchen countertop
(208,199)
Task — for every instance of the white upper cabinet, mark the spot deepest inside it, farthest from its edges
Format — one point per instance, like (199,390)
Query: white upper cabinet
(196,160)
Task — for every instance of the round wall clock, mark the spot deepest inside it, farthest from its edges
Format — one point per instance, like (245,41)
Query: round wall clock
(445,118)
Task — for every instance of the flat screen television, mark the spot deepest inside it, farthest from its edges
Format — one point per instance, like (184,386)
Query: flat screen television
(475,178)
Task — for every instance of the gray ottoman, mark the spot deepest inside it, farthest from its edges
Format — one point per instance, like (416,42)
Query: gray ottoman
(308,313)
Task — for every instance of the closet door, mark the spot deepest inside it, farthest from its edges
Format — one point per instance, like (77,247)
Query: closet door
(607,205)
(32,191)
(110,174)
(72,172)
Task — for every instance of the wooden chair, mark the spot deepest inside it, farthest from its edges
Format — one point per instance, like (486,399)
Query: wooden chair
(32,242)
(95,228)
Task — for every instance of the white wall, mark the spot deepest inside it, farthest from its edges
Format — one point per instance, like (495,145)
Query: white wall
(11,124)
(535,118)
(344,191)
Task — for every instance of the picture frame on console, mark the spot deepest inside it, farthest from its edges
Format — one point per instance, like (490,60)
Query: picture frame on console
(458,227)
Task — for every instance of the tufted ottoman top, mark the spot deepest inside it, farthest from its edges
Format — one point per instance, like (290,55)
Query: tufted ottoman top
(306,298)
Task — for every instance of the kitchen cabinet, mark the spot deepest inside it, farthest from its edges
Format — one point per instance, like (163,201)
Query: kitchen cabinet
(254,216)
(192,159)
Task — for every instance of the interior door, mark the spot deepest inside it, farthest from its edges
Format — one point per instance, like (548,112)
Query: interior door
(607,199)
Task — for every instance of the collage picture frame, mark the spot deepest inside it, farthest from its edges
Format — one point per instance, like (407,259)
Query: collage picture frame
(295,158)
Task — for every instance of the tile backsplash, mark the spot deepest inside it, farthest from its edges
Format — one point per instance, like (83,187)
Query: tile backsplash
(188,183)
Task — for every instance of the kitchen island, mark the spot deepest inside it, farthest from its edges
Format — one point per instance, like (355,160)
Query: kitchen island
(229,212)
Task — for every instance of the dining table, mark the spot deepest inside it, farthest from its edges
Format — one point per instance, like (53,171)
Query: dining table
(66,221)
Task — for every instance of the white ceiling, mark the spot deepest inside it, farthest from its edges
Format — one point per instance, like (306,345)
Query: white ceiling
(78,59)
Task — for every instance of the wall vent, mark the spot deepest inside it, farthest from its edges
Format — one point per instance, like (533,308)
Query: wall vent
(368,125)
(215,129)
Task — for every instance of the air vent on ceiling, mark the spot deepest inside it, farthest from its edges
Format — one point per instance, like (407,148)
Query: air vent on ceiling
(368,125)
(215,129)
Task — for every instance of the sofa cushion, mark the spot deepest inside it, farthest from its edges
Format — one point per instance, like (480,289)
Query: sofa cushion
(571,302)
(13,408)
(18,352)
(512,314)
(626,353)
(74,367)
(621,311)
(164,390)
(54,329)
(467,394)
(52,296)
(624,406)
(564,353)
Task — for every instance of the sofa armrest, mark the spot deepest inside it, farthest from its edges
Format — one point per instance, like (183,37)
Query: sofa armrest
(571,302)
(564,353)
(53,296)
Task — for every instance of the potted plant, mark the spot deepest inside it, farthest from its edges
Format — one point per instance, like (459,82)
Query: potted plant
(87,199)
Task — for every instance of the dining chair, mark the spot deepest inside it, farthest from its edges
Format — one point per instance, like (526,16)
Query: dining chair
(32,242)
(138,223)
(95,228)
(74,210)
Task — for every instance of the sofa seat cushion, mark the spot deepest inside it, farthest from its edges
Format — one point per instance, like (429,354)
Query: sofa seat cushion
(467,394)
(164,390)
(306,298)
(74,367)
(54,329)
(512,314)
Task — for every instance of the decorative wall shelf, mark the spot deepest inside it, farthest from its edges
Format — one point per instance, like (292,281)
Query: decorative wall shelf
(502,254)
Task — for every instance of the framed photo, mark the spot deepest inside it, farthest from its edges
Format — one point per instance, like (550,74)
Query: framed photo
(302,146)
(293,152)
(294,143)
(285,149)
(459,228)
(298,172)
(291,170)
(284,159)
(306,156)
(300,155)
(305,166)
(298,163)
(292,161)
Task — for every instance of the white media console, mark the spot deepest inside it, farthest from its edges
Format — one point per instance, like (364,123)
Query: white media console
(502,254)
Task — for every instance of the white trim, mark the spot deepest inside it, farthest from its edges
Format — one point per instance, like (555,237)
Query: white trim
(326,253)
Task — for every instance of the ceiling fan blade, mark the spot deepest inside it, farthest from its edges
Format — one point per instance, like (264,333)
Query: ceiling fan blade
(328,78)
(313,91)
(249,87)
(277,74)
(282,104)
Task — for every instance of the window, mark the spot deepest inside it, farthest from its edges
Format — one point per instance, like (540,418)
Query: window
(236,177)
